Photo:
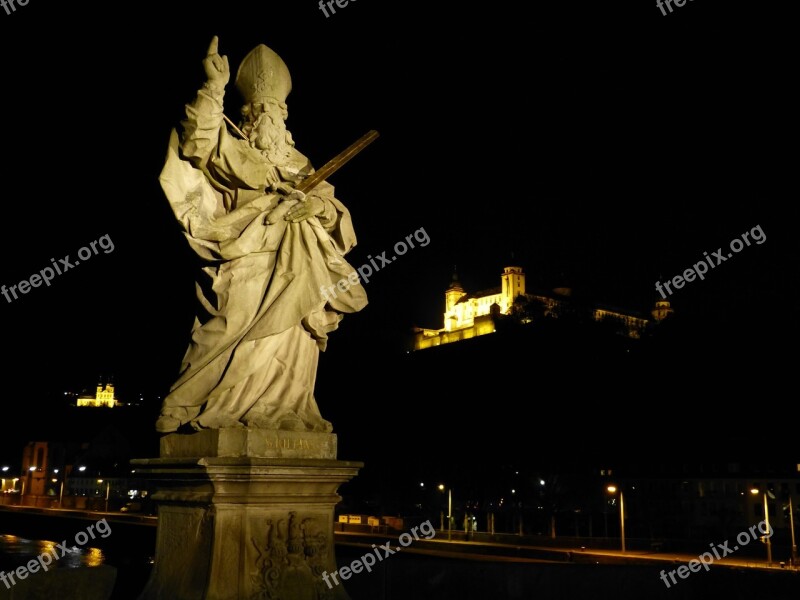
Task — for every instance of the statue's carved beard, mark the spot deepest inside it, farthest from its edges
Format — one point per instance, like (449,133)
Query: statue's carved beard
(272,139)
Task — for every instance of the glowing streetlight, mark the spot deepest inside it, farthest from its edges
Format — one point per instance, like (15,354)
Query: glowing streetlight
(449,509)
(768,540)
(612,489)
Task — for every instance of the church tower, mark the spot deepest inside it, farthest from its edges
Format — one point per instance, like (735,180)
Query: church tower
(453,294)
(451,297)
(513,279)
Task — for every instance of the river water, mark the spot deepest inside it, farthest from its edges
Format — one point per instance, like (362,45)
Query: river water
(16,551)
(128,548)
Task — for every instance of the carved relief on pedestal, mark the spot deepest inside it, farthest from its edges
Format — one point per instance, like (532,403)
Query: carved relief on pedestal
(292,558)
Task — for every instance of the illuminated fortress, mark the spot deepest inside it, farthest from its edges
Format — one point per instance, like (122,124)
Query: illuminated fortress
(471,315)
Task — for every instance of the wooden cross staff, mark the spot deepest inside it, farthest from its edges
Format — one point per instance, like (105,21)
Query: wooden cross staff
(333,165)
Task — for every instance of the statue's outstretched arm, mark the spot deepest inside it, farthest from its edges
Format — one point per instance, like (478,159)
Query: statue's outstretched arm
(204,116)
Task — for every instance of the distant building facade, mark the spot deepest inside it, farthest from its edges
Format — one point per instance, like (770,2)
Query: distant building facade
(43,467)
(728,498)
(104,397)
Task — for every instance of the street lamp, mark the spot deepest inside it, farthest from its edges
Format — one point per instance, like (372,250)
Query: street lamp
(768,540)
(791,526)
(517,503)
(449,509)
(612,489)
(108,490)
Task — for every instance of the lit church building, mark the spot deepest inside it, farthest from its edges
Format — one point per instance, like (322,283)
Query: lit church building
(471,315)
(103,398)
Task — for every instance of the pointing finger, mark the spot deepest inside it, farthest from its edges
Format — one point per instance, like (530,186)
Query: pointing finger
(212,48)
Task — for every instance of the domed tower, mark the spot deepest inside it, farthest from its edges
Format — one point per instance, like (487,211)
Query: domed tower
(661,310)
(453,294)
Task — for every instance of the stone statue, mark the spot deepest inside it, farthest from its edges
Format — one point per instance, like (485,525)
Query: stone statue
(265,248)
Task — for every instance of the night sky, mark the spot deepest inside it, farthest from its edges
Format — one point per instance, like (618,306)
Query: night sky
(602,150)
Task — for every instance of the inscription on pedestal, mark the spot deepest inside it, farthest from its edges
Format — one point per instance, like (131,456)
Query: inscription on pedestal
(247,442)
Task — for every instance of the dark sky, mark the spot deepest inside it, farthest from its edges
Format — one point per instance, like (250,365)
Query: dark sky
(606,149)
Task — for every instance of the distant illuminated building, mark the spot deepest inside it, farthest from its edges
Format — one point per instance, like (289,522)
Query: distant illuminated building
(662,310)
(462,309)
(471,315)
(103,398)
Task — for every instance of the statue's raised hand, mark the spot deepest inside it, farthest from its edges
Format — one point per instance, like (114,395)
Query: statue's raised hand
(217,70)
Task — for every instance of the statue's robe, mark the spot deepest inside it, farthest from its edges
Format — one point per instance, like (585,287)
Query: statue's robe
(262,317)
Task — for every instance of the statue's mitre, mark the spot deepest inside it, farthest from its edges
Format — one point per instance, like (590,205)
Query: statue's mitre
(263,77)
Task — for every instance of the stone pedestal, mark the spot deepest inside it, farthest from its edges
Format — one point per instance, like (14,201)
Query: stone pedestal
(255,443)
(234,525)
